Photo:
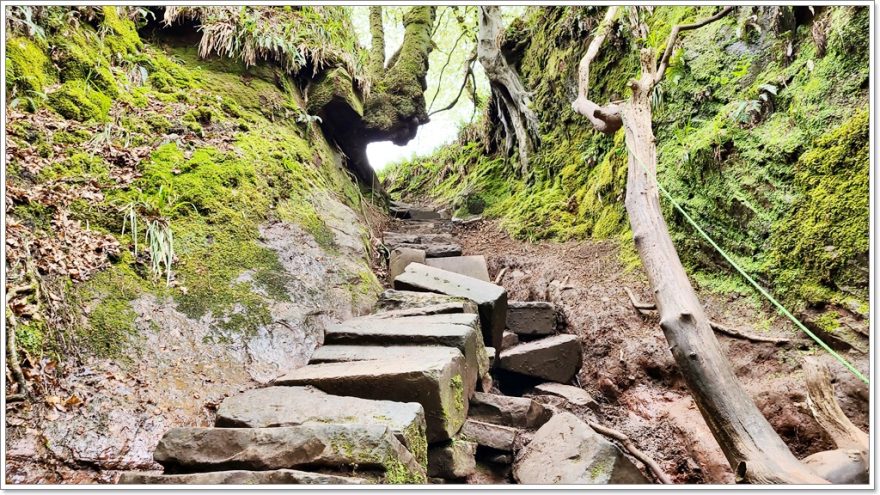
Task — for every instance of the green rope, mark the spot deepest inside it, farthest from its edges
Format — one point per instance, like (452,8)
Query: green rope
(746,275)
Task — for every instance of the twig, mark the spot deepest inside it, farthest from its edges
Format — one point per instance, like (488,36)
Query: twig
(642,307)
(500,276)
(632,449)
(673,35)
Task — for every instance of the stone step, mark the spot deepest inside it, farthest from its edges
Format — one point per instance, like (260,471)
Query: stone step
(349,353)
(434,245)
(459,330)
(292,406)
(531,317)
(239,477)
(400,258)
(471,266)
(567,451)
(519,412)
(452,460)
(434,309)
(434,250)
(575,396)
(392,300)
(491,299)
(435,381)
(555,358)
(490,435)
(335,447)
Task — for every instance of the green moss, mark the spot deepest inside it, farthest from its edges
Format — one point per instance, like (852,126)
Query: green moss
(121,35)
(417,443)
(78,101)
(31,337)
(78,166)
(80,55)
(111,330)
(823,238)
(27,66)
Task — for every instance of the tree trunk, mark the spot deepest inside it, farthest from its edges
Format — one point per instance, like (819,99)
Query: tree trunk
(512,100)
(752,447)
(377,43)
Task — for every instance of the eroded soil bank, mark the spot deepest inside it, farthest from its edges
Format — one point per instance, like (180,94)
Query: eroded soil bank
(629,369)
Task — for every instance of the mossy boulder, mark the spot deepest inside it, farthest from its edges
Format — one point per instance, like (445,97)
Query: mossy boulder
(78,101)
(27,66)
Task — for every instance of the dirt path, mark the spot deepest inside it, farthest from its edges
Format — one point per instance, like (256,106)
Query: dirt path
(628,367)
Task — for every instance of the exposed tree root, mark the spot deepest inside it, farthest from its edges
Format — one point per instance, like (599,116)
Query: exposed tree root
(627,444)
(718,327)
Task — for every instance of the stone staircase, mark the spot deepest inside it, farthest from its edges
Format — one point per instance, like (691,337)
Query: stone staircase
(412,392)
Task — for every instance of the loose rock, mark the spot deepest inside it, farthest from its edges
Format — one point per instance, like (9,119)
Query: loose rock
(398,300)
(531,318)
(567,451)
(452,460)
(490,435)
(400,258)
(554,358)
(509,411)
(575,396)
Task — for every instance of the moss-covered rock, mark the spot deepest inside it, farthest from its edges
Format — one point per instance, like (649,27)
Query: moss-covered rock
(27,66)
(78,101)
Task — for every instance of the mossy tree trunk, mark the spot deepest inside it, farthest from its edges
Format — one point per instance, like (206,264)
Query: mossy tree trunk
(512,101)
(754,450)
(377,43)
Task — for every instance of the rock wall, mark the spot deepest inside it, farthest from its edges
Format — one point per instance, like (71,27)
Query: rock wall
(127,151)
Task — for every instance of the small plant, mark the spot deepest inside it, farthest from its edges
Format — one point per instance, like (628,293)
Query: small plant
(160,242)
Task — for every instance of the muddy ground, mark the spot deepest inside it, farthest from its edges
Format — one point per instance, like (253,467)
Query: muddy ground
(629,369)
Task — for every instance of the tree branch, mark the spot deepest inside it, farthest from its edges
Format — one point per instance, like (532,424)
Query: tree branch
(377,47)
(604,119)
(673,36)
(718,327)
(468,72)
(443,69)
(823,404)
(632,449)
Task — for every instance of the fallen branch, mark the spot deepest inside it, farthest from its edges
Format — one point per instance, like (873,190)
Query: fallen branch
(718,327)
(632,449)
(823,404)
(500,276)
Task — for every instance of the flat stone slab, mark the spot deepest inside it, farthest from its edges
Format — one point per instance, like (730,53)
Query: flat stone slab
(435,381)
(329,446)
(567,451)
(490,435)
(459,330)
(434,309)
(555,358)
(292,406)
(239,477)
(491,299)
(396,300)
(471,266)
(433,250)
(349,353)
(574,395)
(517,412)
(531,317)
(423,214)
(400,257)
(452,460)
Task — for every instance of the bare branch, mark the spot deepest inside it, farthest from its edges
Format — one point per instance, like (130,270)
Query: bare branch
(673,36)
(604,119)
(627,444)
(443,69)
(642,307)
(468,72)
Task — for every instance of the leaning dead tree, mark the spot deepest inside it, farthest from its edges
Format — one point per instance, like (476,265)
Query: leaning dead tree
(754,450)
(512,101)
